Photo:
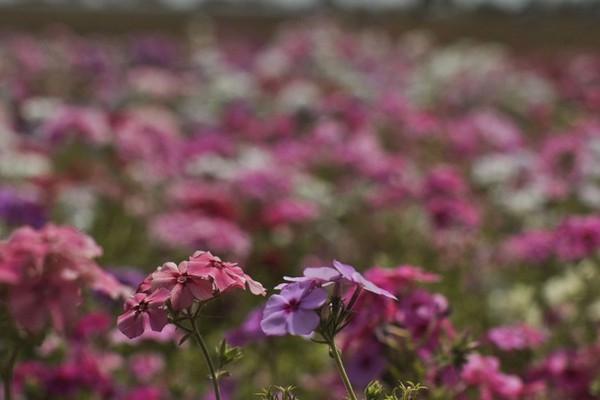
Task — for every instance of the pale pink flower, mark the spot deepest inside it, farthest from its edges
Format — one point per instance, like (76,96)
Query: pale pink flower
(53,265)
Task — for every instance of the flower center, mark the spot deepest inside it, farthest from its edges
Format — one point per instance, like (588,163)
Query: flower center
(182,278)
(292,305)
(142,307)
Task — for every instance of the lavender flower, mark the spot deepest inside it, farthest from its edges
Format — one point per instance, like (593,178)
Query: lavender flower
(293,310)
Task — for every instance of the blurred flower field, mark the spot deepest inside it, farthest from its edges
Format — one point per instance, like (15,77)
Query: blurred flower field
(458,185)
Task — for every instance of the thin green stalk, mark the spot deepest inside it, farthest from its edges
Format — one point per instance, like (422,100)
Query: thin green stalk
(211,367)
(340,366)
(7,374)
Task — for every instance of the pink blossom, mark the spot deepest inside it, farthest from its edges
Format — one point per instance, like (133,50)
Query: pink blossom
(185,285)
(578,237)
(485,373)
(517,337)
(145,366)
(225,275)
(533,247)
(53,264)
(396,279)
(290,211)
(144,311)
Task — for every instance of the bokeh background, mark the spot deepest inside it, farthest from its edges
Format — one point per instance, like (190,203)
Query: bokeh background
(449,150)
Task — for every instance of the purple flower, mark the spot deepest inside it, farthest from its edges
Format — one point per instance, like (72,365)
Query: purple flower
(351,275)
(19,209)
(368,362)
(324,276)
(292,311)
(250,331)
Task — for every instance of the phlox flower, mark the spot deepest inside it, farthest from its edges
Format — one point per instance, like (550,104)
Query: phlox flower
(184,283)
(293,310)
(342,273)
(144,311)
(225,275)
(52,265)
(485,373)
(351,275)
(516,337)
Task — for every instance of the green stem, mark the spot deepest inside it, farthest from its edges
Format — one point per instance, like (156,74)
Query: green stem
(7,374)
(340,366)
(211,367)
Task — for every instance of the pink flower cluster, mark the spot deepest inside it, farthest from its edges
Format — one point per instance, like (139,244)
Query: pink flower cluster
(201,278)
(44,272)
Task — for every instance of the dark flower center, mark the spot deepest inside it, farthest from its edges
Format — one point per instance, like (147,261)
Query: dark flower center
(142,307)
(292,305)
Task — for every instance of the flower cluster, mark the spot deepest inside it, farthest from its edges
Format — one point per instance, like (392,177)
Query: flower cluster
(294,310)
(44,272)
(201,278)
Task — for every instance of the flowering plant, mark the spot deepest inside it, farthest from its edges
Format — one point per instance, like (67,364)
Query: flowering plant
(304,307)
(176,293)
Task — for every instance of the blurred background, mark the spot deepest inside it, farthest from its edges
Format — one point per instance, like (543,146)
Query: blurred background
(520,23)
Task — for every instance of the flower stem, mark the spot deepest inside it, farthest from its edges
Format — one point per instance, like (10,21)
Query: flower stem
(340,366)
(211,367)
(7,374)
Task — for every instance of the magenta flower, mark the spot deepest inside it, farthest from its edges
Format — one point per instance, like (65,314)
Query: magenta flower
(143,311)
(185,285)
(517,337)
(293,310)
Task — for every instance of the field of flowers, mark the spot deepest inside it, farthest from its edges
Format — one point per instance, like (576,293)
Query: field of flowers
(433,212)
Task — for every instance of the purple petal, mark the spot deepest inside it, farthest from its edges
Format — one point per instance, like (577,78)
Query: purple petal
(313,299)
(275,303)
(346,270)
(302,322)
(274,324)
(371,287)
(296,290)
(322,273)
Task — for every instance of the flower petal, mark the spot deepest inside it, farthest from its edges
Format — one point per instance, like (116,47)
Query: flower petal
(302,322)
(131,324)
(274,324)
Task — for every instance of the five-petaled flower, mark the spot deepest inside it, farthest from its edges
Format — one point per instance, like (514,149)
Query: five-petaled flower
(293,310)
(143,311)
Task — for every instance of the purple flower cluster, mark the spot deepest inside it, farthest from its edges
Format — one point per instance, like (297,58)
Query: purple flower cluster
(293,310)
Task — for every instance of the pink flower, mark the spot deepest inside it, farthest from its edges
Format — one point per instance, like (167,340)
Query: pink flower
(146,366)
(578,237)
(485,373)
(289,211)
(143,311)
(39,299)
(225,275)
(183,282)
(535,246)
(53,265)
(516,337)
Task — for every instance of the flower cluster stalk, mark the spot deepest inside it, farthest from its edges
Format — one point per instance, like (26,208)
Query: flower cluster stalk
(213,374)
